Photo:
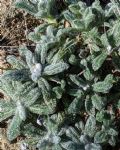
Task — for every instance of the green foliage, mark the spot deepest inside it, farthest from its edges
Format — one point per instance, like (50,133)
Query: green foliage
(65,93)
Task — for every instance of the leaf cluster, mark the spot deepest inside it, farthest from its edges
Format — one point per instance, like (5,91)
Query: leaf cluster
(64,95)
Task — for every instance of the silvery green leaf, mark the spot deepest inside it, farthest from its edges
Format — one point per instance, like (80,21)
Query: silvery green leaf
(69,145)
(71,1)
(32,96)
(88,17)
(69,31)
(95,48)
(96,5)
(101,137)
(43,54)
(93,146)
(29,130)
(14,128)
(21,111)
(41,28)
(90,109)
(103,116)
(104,86)
(15,62)
(75,92)
(38,31)
(36,71)
(79,24)
(78,81)
(35,37)
(98,101)
(27,93)
(75,106)
(47,10)
(25,5)
(58,91)
(69,16)
(80,126)
(45,84)
(23,50)
(50,31)
(84,139)
(55,68)
(90,126)
(104,40)
(30,60)
(17,75)
(51,55)
(41,109)
(73,134)
(112,141)
(88,74)
(112,132)
(74,8)
(73,60)
(99,60)
(7,109)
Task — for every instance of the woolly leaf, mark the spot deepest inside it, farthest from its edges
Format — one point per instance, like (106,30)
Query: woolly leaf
(112,141)
(16,63)
(93,146)
(75,106)
(99,60)
(42,109)
(112,132)
(79,82)
(21,111)
(101,137)
(6,110)
(74,8)
(14,128)
(88,74)
(104,86)
(90,126)
(55,68)
(98,102)
(36,72)
(80,126)
(58,91)
(89,106)
(16,75)
(72,146)
(29,7)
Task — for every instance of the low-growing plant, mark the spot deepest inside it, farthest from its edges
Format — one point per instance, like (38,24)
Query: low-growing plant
(64,95)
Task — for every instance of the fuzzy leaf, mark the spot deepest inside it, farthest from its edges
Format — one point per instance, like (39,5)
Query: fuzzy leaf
(104,86)
(75,106)
(99,60)
(101,137)
(16,63)
(14,128)
(72,146)
(98,102)
(41,109)
(32,9)
(93,146)
(7,109)
(89,106)
(55,68)
(90,126)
